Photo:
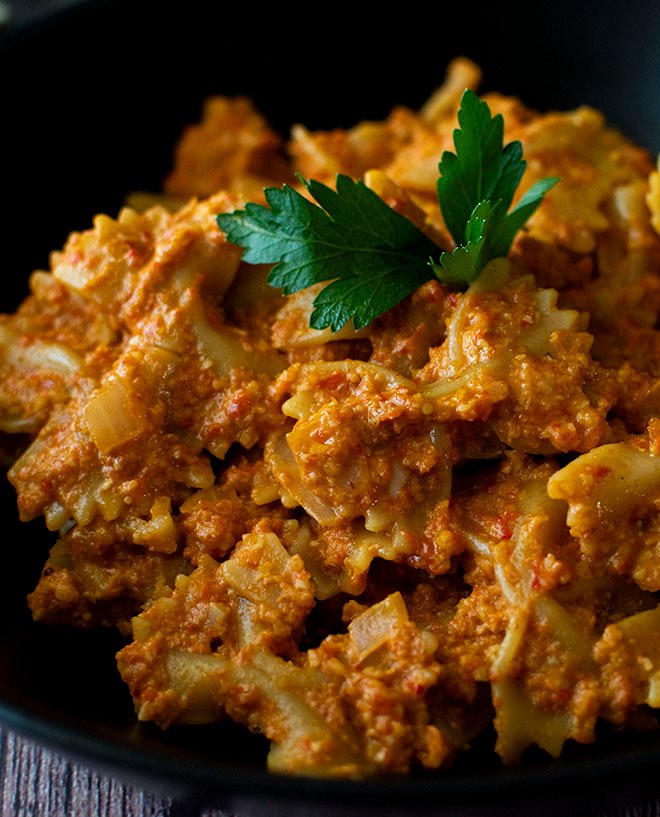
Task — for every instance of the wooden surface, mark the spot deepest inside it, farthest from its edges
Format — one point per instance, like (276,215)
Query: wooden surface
(39,783)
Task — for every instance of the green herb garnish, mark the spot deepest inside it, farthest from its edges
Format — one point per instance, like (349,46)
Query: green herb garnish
(475,189)
(373,256)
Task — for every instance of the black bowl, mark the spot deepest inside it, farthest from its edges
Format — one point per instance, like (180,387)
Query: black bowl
(92,103)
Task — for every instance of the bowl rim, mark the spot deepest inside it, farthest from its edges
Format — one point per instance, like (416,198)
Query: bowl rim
(184,777)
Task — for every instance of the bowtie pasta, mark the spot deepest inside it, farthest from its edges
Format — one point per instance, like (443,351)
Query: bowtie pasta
(374,546)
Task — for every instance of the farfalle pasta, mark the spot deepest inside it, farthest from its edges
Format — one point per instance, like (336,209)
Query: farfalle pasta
(370,546)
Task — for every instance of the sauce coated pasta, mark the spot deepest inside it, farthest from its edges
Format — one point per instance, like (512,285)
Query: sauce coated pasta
(369,546)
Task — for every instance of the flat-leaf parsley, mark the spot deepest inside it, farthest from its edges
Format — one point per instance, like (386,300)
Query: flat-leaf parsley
(372,255)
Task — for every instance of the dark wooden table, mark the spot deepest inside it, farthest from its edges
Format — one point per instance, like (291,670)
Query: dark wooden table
(39,783)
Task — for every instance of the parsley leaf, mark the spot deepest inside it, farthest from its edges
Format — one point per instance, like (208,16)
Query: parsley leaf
(480,169)
(475,189)
(467,260)
(373,256)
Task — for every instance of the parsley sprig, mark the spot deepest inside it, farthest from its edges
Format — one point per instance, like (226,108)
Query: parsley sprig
(371,255)
(476,187)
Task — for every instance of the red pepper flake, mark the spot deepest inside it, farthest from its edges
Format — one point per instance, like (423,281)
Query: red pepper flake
(332,381)
(238,405)
(563,696)
(133,253)
(503,529)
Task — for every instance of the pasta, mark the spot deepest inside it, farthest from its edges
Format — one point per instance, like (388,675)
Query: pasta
(370,546)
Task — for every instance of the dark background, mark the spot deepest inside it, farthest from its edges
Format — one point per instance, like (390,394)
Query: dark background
(93,101)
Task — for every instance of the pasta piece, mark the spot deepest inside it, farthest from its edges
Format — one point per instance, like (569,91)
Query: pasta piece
(628,652)
(232,147)
(401,338)
(159,533)
(228,348)
(523,364)
(339,557)
(49,356)
(100,264)
(115,415)
(43,347)
(351,707)
(322,154)
(516,629)
(592,160)
(91,578)
(613,495)
(627,286)
(291,329)
(214,519)
(36,375)
(368,451)
(554,695)
(256,600)
(638,398)
(371,630)
(653,198)
(55,313)
(99,472)
(444,102)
